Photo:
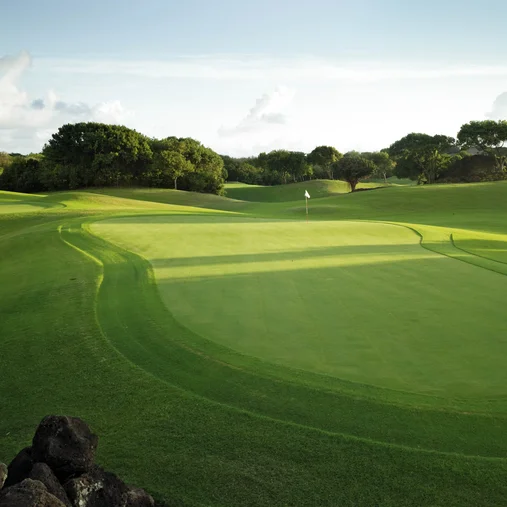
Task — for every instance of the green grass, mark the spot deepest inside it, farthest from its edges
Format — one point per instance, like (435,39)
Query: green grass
(229,353)
(393,181)
(244,289)
(291,192)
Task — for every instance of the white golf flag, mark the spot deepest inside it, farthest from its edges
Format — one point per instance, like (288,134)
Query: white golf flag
(307,195)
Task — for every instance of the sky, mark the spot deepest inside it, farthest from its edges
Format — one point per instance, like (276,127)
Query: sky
(245,77)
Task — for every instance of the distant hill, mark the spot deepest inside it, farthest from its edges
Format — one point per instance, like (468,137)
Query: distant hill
(291,192)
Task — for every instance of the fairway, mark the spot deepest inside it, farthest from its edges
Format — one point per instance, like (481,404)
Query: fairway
(326,297)
(230,353)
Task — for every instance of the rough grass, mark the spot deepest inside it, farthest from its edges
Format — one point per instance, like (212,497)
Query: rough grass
(184,369)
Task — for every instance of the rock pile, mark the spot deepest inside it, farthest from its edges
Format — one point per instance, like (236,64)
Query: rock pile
(58,470)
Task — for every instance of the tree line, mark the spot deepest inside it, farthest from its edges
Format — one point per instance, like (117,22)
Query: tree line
(86,155)
(280,167)
(478,153)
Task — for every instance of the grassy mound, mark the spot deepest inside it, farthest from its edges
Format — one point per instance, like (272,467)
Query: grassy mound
(173,197)
(291,192)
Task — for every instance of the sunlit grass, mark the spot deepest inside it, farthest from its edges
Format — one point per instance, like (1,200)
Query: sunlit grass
(229,356)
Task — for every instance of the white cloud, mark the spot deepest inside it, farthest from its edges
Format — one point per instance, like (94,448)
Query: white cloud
(25,117)
(348,104)
(262,68)
(267,111)
(109,112)
(499,109)
(13,100)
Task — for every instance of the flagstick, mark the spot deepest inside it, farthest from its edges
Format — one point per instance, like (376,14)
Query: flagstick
(306,209)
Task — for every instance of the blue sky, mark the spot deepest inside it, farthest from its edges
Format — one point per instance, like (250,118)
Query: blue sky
(245,77)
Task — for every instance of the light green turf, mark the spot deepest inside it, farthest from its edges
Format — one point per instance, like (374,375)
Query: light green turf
(359,301)
(199,374)
(11,202)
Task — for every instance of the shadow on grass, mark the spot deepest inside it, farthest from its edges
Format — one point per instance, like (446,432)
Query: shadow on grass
(494,250)
(138,324)
(192,218)
(412,251)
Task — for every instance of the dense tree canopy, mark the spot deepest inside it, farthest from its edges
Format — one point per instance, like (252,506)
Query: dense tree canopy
(187,164)
(322,159)
(353,167)
(423,155)
(169,166)
(5,160)
(468,168)
(282,166)
(94,154)
(91,154)
(489,136)
(383,164)
(22,175)
(243,169)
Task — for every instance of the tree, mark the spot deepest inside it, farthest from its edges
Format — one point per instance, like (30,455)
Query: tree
(232,166)
(5,161)
(208,174)
(384,165)
(94,154)
(172,165)
(323,158)
(297,165)
(489,136)
(282,166)
(421,155)
(242,169)
(353,167)
(468,168)
(22,175)
(248,173)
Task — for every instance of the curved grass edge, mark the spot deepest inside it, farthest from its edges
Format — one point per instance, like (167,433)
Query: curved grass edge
(162,348)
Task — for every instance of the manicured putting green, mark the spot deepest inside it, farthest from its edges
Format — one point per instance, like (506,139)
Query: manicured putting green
(356,300)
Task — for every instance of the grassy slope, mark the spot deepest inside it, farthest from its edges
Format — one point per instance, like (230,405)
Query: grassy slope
(201,430)
(174,197)
(482,205)
(291,192)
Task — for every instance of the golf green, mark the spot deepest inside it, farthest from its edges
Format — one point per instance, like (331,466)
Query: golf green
(359,301)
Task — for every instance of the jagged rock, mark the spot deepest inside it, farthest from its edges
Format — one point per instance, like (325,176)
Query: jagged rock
(97,488)
(41,472)
(19,467)
(3,474)
(137,497)
(62,452)
(66,444)
(28,493)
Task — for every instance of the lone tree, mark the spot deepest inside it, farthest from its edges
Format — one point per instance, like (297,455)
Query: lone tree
(323,158)
(488,136)
(419,155)
(352,168)
(171,166)
(5,160)
(384,164)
